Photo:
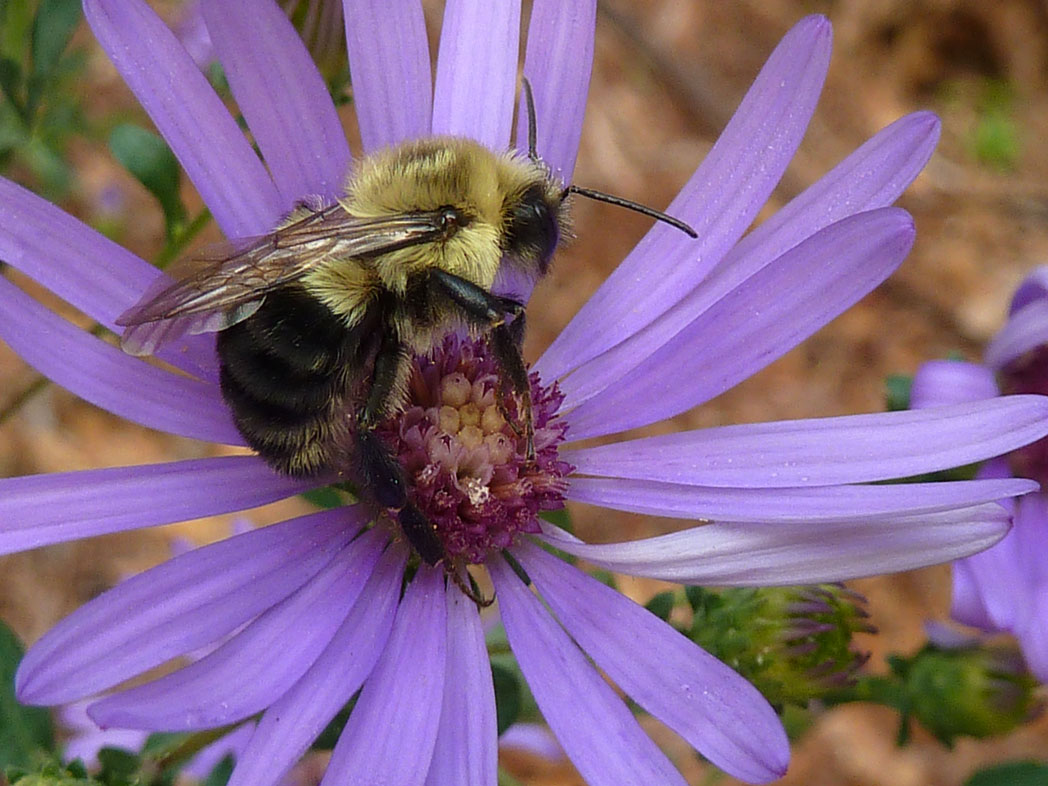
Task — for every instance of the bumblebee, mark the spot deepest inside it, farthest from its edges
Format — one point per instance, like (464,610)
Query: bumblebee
(317,322)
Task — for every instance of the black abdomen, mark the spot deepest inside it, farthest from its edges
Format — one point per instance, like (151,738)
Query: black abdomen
(285,371)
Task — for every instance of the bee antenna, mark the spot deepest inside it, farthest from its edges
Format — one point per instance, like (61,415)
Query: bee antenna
(658,215)
(529,100)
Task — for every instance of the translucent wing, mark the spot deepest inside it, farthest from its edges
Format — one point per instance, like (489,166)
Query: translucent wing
(227,283)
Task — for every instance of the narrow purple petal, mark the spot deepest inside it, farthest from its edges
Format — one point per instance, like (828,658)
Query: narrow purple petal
(533,738)
(87,270)
(282,96)
(100,373)
(479,42)
(762,319)
(720,201)
(389,62)
(940,383)
(1034,287)
(466,752)
(90,271)
(214,152)
(966,603)
(1000,587)
(754,554)
(789,504)
(871,177)
(258,664)
(719,714)
(178,606)
(598,732)
(287,729)
(393,728)
(558,62)
(37,510)
(1025,330)
(825,451)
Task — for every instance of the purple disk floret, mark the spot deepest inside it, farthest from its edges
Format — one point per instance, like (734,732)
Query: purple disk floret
(310,611)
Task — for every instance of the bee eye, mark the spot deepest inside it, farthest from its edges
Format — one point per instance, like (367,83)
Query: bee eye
(532,231)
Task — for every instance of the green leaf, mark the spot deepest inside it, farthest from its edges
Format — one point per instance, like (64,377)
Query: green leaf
(1016,773)
(119,767)
(327,739)
(219,776)
(53,27)
(507,696)
(24,731)
(11,81)
(150,160)
(661,605)
(326,497)
(897,392)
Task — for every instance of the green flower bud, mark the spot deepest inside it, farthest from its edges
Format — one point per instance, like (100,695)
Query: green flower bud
(792,643)
(971,690)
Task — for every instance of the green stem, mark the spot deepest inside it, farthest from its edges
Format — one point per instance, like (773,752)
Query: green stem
(177,244)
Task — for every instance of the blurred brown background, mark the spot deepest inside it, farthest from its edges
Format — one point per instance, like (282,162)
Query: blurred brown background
(668,74)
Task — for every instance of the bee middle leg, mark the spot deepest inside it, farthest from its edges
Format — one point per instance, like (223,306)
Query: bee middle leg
(505,339)
(381,474)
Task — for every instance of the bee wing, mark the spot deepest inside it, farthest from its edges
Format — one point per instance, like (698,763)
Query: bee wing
(227,283)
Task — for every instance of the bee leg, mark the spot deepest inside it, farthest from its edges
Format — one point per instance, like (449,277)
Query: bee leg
(381,474)
(490,311)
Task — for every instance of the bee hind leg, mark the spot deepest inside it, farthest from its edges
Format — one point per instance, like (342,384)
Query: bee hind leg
(381,475)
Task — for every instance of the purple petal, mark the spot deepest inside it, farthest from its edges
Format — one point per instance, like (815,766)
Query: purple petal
(789,504)
(966,603)
(598,732)
(943,382)
(287,729)
(182,604)
(720,201)
(389,62)
(479,42)
(393,728)
(824,451)
(558,62)
(87,270)
(214,152)
(762,319)
(466,752)
(100,373)
(871,177)
(719,714)
(533,738)
(282,96)
(1034,287)
(37,510)
(257,665)
(1026,329)
(998,588)
(784,553)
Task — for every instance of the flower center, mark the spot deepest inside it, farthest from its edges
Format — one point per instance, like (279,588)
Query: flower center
(466,464)
(1029,374)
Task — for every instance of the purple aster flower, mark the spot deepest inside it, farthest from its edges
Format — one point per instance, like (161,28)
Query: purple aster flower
(1005,588)
(315,604)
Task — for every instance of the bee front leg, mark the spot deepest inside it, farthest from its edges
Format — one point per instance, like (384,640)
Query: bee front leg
(380,472)
(490,311)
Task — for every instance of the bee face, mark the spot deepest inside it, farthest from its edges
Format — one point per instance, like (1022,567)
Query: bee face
(533,223)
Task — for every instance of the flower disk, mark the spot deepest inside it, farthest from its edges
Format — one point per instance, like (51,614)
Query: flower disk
(467,465)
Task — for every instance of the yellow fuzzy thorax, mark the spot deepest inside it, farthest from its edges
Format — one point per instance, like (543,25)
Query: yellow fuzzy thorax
(426,175)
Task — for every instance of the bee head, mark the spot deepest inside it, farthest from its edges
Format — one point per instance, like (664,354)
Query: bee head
(533,225)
